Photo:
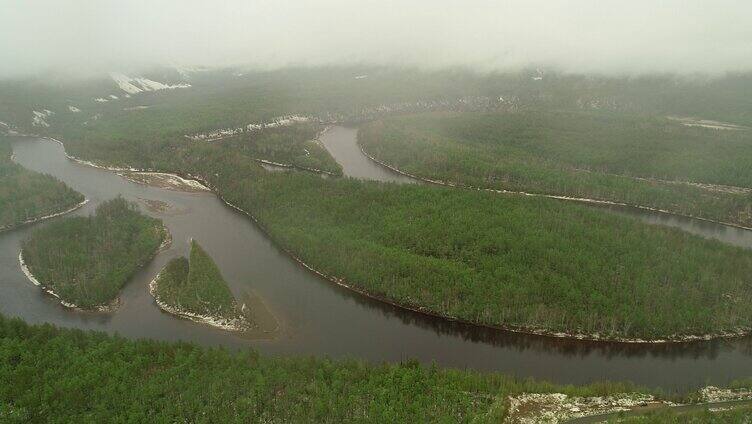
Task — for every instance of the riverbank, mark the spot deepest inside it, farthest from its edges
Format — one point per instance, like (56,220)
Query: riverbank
(548,196)
(42,218)
(28,197)
(111,307)
(516,152)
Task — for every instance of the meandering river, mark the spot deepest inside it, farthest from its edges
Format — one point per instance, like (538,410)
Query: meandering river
(319,318)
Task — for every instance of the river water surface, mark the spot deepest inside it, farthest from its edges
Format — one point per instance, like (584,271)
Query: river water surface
(319,318)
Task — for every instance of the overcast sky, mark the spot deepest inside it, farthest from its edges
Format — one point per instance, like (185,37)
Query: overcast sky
(626,36)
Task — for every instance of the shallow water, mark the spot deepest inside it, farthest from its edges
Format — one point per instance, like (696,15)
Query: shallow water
(319,318)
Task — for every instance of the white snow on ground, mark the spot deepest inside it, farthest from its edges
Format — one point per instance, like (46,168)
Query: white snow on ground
(715,394)
(92,118)
(282,121)
(161,179)
(38,119)
(125,84)
(707,123)
(113,97)
(539,76)
(558,407)
(364,114)
(361,77)
(100,100)
(74,109)
(135,85)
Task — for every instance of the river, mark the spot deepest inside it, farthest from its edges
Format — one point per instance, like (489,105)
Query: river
(321,319)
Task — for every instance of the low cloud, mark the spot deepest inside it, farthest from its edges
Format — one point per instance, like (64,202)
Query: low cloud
(85,37)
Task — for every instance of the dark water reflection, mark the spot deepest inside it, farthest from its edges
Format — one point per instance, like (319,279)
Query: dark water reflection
(322,319)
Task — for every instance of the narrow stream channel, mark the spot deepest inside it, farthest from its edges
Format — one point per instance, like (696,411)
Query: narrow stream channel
(321,319)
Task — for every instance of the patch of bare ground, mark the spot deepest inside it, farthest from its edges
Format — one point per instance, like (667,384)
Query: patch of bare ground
(558,407)
(530,408)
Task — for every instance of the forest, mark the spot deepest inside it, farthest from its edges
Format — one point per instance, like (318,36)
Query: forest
(228,98)
(628,158)
(532,264)
(87,260)
(490,259)
(292,146)
(51,374)
(196,285)
(26,195)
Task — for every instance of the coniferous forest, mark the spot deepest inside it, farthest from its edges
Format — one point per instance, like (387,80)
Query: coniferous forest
(87,260)
(638,159)
(196,285)
(91,377)
(26,195)
(516,262)
(488,258)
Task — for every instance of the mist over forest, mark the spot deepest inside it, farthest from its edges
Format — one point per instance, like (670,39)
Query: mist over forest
(80,38)
(382,211)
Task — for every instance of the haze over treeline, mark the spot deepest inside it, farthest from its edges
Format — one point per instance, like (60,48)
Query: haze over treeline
(594,36)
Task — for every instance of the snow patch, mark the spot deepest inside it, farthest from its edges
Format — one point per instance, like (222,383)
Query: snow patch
(281,121)
(39,119)
(74,109)
(712,394)
(558,407)
(100,100)
(135,85)
(33,279)
(164,180)
(707,123)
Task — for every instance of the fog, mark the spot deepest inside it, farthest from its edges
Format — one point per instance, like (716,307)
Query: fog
(625,37)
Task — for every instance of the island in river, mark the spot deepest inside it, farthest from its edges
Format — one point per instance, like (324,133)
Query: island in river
(85,261)
(194,288)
